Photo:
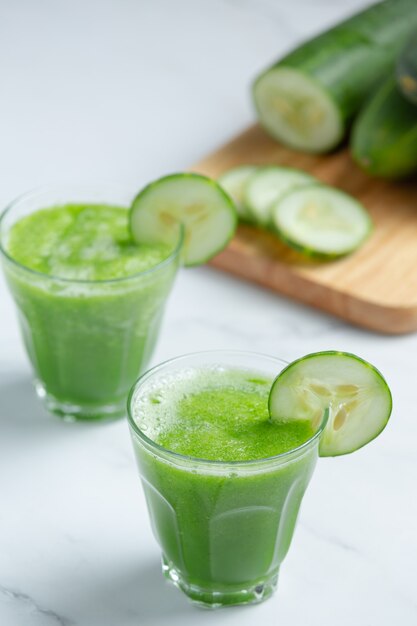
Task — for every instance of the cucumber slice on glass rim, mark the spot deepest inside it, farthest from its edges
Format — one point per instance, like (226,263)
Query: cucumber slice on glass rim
(234,182)
(321,221)
(206,211)
(267,185)
(355,392)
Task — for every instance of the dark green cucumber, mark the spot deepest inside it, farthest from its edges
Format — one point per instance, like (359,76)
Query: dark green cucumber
(308,98)
(407,69)
(384,137)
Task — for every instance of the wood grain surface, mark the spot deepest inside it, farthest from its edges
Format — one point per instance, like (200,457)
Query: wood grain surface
(376,287)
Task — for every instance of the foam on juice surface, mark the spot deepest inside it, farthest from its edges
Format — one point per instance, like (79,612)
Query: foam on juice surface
(81,242)
(217,414)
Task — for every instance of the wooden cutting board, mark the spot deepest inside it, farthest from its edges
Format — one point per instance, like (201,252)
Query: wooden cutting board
(376,287)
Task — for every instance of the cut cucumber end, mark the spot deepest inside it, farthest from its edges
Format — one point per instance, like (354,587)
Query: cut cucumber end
(234,183)
(406,70)
(206,211)
(355,392)
(321,221)
(268,185)
(297,111)
(408,86)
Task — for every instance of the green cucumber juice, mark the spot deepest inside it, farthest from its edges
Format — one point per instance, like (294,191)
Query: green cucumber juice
(222,504)
(90,303)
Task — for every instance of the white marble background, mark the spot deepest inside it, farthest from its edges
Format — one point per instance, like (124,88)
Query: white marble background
(128,90)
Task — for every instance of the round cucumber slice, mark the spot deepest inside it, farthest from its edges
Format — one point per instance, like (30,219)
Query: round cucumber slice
(267,185)
(355,392)
(234,182)
(321,221)
(207,213)
(296,110)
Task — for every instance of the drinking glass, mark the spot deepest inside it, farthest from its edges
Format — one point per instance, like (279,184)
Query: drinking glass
(87,340)
(223,527)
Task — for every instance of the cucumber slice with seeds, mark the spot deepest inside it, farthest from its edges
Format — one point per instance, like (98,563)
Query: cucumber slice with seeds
(355,392)
(234,182)
(296,110)
(206,211)
(268,185)
(321,221)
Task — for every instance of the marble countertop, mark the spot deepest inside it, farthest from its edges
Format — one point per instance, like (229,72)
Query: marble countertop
(127,91)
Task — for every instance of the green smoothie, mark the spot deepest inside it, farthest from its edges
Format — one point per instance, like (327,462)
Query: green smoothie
(222,481)
(81,242)
(221,417)
(90,303)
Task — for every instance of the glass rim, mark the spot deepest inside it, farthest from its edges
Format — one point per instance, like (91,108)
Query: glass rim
(79,281)
(176,456)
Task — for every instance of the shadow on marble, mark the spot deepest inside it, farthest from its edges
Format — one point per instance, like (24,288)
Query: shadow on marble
(142,597)
(139,596)
(19,405)
(22,415)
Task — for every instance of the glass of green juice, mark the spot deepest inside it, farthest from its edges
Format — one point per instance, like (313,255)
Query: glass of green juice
(223,483)
(89,300)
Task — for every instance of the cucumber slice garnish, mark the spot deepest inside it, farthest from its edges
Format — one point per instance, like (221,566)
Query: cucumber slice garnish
(321,221)
(207,213)
(234,182)
(267,185)
(295,109)
(355,392)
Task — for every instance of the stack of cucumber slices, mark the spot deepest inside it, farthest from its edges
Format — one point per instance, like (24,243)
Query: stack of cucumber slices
(351,392)
(313,218)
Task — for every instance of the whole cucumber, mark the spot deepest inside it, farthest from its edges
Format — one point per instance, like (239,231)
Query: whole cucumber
(308,98)
(384,137)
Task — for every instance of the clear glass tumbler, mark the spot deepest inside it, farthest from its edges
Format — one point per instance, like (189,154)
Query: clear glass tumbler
(224,528)
(88,341)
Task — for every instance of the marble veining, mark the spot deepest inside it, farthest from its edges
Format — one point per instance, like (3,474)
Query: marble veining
(332,539)
(31,606)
